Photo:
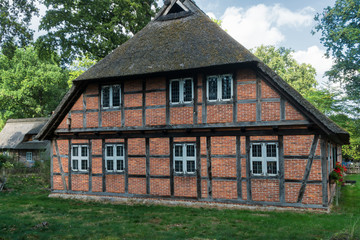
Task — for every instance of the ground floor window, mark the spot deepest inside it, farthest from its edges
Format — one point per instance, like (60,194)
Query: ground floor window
(264,158)
(115,157)
(184,158)
(80,157)
(29,156)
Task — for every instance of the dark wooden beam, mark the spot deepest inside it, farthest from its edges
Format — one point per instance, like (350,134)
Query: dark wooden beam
(147,149)
(282,109)
(171,156)
(195,99)
(258,99)
(167,101)
(144,102)
(103,165)
(126,147)
(248,172)
(209,169)
(90,165)
(238,167)
(308,168)
(198,168)
(204,99)
(122,105)
(235,97)
(281,169)
(324,172)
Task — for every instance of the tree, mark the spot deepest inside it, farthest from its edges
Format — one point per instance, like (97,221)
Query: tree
(29,87)
(78,67)
(15,17)
(299,76)
(340,30)
(94,28)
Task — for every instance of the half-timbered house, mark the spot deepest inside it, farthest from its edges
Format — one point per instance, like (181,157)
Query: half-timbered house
(182,111)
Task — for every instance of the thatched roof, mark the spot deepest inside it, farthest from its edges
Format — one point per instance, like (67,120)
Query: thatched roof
(15,130)
(186,41)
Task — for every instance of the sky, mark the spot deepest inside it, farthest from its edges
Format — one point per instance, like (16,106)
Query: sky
(283,23)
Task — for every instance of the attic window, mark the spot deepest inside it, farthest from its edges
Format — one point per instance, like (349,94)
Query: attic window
(175,7)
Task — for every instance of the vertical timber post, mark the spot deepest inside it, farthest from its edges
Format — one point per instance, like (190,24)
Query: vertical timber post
(281,169)
(248,172)
(238,168)
(324,174)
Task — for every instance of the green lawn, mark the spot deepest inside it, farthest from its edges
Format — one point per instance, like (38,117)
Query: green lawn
(26,206)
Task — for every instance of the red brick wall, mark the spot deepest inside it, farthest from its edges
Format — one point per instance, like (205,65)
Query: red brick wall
(111,119)
(224,189)
(160,187)
(183,115)
(133,118)
(185,186)
(246,112)
(220,113)
(133,100)
(137,185)
(265,190)
(267,91)
(270,111)
(115,183)
(156,116)
(92,103)
(291,113)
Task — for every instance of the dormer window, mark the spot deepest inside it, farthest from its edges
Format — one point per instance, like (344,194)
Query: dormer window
(110,96)
(175,7)
(181,90)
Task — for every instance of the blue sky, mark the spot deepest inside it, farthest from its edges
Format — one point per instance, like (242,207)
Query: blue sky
(280,23)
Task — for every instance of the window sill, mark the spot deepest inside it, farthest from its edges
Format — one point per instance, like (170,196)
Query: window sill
(177,174)
(255,176)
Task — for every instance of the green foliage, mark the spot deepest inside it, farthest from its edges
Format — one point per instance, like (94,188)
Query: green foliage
(30,87)
(78,67)
(339,27)
(299,76)
(352,125)
(15,18)
(93,28)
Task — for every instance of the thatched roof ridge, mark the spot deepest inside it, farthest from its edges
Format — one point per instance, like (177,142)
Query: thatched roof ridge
(190,42)
(14,131)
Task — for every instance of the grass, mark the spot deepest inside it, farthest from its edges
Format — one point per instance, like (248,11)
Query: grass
(23,210)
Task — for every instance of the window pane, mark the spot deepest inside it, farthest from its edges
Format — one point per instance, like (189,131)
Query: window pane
(271,150)
(75,151)
(106,97)
(256,150)
(84,151)
(212,88)
(257,167)
(271,168)
(190,151)
(120,165)
(175,91)
(84,164)
(178,151)
(188,90)
(110,165)
(226,87)
(109,151)
(119,151)
(178,166)
(116,96)
(75,165)
(190,165)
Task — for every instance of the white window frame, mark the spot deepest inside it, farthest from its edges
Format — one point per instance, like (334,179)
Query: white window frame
(219,87)
(115,158)
(111,92)
(181,90)
(29,156)
(184,158)
(264,159)
(79,158)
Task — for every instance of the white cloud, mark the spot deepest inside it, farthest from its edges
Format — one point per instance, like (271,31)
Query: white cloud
(315,56)
(262,24)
